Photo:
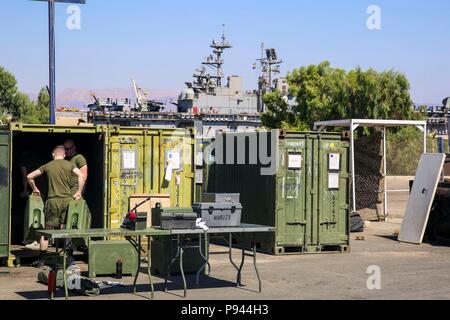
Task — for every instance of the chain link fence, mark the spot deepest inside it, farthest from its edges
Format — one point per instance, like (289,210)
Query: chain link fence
(403,150)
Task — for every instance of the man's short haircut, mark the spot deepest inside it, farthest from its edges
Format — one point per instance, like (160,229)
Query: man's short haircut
(69,141)
(59,150)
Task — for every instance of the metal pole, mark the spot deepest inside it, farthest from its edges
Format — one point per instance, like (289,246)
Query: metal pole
(52,75)
(425,138)
(352,155)
(385,174)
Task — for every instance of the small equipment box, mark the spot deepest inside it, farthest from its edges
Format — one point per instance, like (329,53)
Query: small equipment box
(225,214)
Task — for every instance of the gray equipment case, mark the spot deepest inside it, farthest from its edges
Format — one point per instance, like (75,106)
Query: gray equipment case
(221,197)
(225,214)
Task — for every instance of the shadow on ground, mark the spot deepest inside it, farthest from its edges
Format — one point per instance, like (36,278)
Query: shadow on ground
(174,284)
(432,241)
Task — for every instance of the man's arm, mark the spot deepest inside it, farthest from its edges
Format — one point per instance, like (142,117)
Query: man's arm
(81,181)
(31,181)
(84,170)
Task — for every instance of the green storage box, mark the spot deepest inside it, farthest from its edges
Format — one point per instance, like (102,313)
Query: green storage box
(34,217)
(103,256)
(78,216)
(164,250)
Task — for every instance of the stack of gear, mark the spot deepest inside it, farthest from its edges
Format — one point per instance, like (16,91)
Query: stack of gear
(53,280)
(164,249)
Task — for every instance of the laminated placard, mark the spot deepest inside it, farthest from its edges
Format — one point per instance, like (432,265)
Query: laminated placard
(129,160)
(333,181)
(295,161)
(334,161)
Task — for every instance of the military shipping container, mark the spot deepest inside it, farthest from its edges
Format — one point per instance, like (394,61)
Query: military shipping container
(296,182)
(122,162)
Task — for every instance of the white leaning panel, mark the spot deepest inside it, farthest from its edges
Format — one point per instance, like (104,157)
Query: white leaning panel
(421,198)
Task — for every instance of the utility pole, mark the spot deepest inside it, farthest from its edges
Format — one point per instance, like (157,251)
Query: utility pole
(51,46)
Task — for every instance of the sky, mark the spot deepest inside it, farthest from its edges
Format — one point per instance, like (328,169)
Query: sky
(161,42)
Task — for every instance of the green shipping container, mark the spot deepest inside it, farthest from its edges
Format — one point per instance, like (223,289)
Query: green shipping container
(122,162)
(305,195)
(5,195)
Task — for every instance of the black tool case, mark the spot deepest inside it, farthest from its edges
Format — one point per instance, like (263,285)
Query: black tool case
(178,220)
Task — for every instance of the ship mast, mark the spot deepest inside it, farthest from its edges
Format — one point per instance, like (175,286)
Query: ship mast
(203,81)
(270,66)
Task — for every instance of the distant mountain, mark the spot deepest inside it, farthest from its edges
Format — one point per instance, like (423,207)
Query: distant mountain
(78,98)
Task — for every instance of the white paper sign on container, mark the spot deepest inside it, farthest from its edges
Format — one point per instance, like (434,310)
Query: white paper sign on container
(295,161)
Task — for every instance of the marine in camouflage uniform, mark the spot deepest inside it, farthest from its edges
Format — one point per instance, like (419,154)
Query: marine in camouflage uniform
(59,175)
(81,163)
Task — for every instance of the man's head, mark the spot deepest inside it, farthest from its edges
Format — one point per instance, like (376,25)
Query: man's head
(59,153)
(70,148)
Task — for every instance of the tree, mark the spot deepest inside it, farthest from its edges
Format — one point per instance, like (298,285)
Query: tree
(43,106)
(8,93)
(16,106)
(326,93)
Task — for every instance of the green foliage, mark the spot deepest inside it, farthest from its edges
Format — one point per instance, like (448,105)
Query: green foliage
(8,93)
(325,93)
(16,106)
(43,106)
(404,148)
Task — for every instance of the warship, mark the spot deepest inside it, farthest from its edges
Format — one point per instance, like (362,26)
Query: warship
(206,103)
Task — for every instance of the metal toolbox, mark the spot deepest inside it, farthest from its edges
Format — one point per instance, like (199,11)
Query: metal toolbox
(221,197)
(226,214)
(103,256)
(178,220)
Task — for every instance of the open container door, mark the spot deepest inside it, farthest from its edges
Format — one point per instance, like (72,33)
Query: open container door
(5,194)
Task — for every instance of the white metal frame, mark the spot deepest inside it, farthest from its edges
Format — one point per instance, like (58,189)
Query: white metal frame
(354,124)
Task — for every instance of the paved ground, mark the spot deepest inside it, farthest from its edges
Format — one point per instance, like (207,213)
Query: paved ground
(407,272)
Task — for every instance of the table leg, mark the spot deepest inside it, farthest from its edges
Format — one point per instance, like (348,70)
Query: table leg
(149,266)
(182,270)
(66,290)
(239,276)
(138,248)
(55,269)
(256,268)
(230,253)
(207,252)
(206,263)
(171,263)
